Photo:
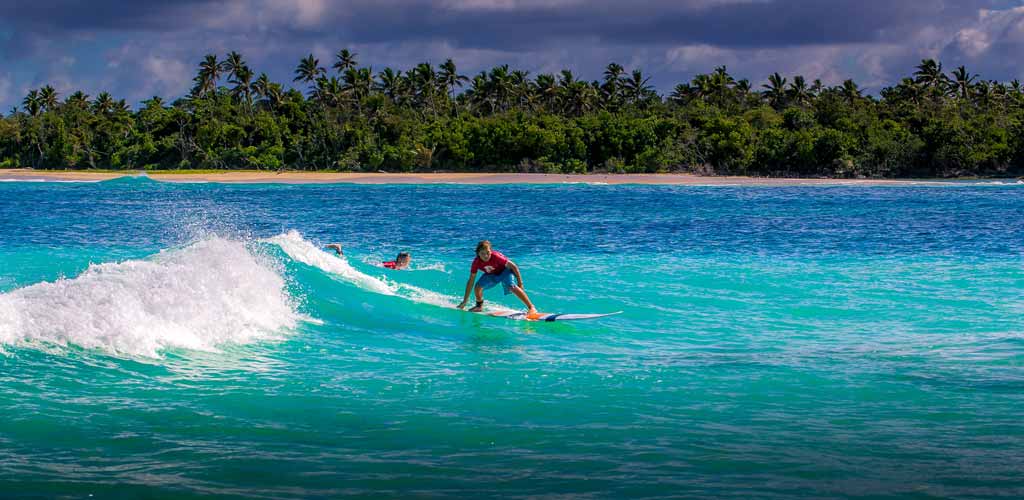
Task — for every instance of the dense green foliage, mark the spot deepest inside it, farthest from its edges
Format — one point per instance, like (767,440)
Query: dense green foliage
(929,125)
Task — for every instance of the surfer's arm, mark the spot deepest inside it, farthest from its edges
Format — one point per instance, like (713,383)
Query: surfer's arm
(336,247)
(469,289)
(515,270)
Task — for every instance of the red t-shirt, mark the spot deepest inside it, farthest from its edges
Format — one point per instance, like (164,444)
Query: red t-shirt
(494,265)
(390,264)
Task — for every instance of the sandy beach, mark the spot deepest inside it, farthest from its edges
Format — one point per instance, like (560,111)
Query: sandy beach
(256,177)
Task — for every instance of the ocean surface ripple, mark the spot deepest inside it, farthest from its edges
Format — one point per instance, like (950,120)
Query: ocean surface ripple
(168,340)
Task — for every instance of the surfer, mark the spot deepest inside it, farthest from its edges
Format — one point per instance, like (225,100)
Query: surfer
(401,262)
(497,269)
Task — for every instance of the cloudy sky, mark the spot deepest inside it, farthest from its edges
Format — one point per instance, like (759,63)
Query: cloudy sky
(139,48)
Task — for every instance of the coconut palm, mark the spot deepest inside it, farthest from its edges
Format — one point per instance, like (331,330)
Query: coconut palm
(743,87)
(242,79)
(104,104)
(546,88)
(682,93)
(613,74)
(720,84)
(328,91)
(308,70)
(77,100)
(209,73)
(451,78)
(358,83)
(390,84)
(345,60)
(962,83)
(636,88)
(798,91)
(48,98)
(775,90)
(930,76)
(31,103)
(985,93)
(232,64)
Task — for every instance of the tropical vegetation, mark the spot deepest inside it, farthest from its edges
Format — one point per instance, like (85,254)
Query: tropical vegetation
(343,116)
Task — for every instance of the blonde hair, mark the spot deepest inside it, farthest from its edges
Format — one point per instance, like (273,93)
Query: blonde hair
(482,245)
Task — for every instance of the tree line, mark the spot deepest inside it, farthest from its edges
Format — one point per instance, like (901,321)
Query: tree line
(349,117)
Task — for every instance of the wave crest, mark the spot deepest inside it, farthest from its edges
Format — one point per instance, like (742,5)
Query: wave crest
(208,294)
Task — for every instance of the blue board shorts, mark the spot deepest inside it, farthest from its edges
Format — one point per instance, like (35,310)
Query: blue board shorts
(490,280)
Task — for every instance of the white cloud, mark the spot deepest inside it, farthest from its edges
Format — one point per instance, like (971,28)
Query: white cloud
(167,77)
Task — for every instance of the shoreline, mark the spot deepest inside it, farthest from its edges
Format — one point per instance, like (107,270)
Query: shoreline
(294,177)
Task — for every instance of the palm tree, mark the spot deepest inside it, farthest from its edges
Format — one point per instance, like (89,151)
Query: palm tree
(850,91)
(613,82)
(984,93)
(720,84)
(209,73)
(682,93)
(154,102)
(580,98)
(390,84)
(346,60)
(31,103)
(48,98)
(701,87)
(567,78)
(425,84)
(242,91)
(909,90)
(104,104)
(78,100)
(261,86)
(451,77)
(798,91)
(519,87)
(963,83)
(358,83)
(930,76)
(743,87)
(328,91)
(308,70)
(232,64)
(776,90)
(546,88)
(636,88)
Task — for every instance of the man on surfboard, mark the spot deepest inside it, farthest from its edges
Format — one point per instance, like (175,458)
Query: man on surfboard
(497,269)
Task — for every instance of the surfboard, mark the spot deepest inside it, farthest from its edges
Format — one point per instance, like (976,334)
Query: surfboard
(521,316)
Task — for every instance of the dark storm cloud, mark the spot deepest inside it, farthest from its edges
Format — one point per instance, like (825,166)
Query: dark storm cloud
(518,25)
(729,24)
(136,48)
(61,15)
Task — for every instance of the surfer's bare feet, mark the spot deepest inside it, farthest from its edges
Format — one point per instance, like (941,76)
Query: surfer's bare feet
(532,314)
(477,308)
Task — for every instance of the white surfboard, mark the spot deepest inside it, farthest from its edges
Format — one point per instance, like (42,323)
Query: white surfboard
(521,316)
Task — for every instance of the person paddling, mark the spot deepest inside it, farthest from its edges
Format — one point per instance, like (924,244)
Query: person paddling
(400,262)
(497,269)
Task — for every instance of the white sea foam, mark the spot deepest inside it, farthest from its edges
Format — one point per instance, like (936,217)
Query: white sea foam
(302,250)
(211,293)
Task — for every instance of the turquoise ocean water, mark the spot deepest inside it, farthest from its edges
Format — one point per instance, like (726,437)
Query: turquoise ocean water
(170,340)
